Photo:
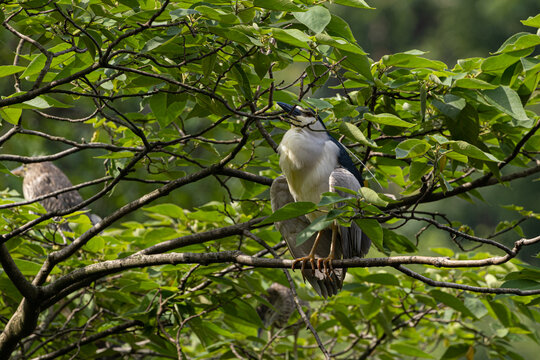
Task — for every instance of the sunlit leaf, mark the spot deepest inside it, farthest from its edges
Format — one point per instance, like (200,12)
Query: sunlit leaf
(387,119)
(316,18)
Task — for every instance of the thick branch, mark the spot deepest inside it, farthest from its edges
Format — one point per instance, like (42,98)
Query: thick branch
(26,289)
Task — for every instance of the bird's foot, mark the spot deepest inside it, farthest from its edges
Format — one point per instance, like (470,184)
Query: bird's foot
(325,265)
(304,260)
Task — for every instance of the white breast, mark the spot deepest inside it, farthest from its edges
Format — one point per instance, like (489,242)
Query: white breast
(307,158)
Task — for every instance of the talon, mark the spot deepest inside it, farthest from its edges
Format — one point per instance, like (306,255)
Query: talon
(304,260)
(312,262)
(328,268)
(294,264)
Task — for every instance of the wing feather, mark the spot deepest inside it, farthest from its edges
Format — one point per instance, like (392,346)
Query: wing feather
(354,242)
(323,285)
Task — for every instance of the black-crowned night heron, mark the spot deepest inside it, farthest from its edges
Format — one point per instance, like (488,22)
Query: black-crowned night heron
(313,162)
(44,178)
(281,298)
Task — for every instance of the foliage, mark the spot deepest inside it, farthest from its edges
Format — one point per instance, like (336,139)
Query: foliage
(178,94)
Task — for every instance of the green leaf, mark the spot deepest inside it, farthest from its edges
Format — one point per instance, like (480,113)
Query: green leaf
(35,66)
(451,105)
(316,18)
(387,119)
(523,284)
(218,14)
(170,210)
(497,64)
(293,37)
(519,41)
(339,43)
(356,62)
(329,198)
(506,100)
(372,228)
(393,241)
(290,211)
(242,310)
(472,151)
(345,321)
(382,278)
(319,224)
(532,21)
(280,5)
(354,3)
(466,126)
(30,268)
(10,114)
(417,170)
(243,81)
(339,27)
(372,196)
(472,83)
(412,148)
(37,103)
(95,245)
(178,13)
(6,70)
(410,59)
(354,133)
(456,351)
(116,155)
(409,350)
(476,306)
(451,301)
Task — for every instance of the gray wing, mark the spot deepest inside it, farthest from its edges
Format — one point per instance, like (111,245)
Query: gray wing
(324,285)
(45,178)
(354,242)
(282,300)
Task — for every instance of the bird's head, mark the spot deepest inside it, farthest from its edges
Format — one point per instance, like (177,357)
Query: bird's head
(301,117)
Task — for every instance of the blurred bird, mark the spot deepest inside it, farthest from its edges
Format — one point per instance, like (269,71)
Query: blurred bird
(313,162)
(44,178)
(282,300)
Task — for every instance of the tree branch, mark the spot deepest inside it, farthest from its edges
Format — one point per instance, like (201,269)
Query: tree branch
(137,261)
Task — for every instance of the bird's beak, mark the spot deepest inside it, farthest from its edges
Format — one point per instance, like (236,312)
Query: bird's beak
(288,108)
(18,171)
(292,110)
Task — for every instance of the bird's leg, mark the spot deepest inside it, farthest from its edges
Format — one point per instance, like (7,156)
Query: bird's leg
(310,257)
(327,262)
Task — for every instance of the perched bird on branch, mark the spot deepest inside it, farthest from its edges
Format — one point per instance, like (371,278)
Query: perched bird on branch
(282,300)
(313,162)
(45,178)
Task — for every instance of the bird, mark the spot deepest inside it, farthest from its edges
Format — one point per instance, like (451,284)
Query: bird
(314,162)
(281,298)
(283,306)
(43,178)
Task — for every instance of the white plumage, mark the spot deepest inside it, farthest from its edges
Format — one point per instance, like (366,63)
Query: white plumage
(307,158)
